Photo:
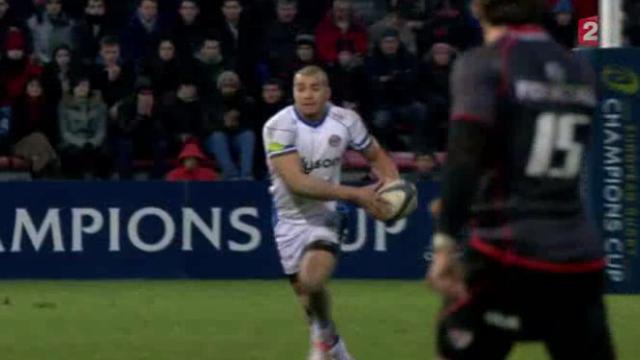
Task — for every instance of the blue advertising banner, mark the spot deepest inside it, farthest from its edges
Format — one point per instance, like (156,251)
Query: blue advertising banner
(614,163)
(96,230)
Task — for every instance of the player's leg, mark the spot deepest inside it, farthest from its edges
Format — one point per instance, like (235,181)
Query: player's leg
(300,294)
(316,268)
(308,255)
(334,345)
(578,327)
(463,334)
(291,243)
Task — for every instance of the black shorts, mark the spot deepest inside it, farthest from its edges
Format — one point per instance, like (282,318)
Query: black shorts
(509,304)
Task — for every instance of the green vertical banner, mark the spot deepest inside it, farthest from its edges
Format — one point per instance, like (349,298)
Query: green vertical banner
(614,163)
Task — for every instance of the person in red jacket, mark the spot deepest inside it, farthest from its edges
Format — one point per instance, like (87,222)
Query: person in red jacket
(339,26)
(191,168)
(15,68)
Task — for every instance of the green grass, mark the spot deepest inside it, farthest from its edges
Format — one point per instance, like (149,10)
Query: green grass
(220,320)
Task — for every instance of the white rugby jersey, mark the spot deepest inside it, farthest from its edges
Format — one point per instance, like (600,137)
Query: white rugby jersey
(320,144)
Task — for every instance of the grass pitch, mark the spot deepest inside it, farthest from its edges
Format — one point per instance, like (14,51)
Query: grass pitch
(231,320)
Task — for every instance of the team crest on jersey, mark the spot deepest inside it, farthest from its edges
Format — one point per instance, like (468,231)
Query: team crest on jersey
(555,72)
(460,339)
(335,140)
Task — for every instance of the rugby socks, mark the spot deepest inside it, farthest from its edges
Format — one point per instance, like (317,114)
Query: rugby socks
(325,332)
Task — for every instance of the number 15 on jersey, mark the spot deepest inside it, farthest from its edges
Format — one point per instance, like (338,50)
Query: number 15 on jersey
(556,133)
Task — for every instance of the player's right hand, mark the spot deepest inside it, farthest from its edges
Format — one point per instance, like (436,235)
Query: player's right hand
(445,274)
(435,207)
(367,198)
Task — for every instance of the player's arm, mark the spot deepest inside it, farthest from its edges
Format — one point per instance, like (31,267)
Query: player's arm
(362,141)
(380,162)
(467,141)
(460,180)
(289,168)
(280,146)
(473,83)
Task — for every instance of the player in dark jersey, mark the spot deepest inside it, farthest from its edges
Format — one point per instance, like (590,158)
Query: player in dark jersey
(531,265)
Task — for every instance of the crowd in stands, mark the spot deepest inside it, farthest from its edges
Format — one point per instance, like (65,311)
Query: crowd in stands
(95,88)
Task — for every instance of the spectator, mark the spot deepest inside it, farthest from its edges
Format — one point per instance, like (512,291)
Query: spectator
(188,30)
(339,26)
(35,129)
(82,118)
(140,132)
(448,23)
(394,20)
(392,74)
(165,70)
(8,21)
(427,168)
(582,8)
(15,68)
(209,64)
(191,166)
(112,75)
(185,114)
(232,133)
(271,102)
(305,56)
(239,42)
(349,86)
(94,26)
(563,25)
(142,33)
(370,11)
(413,9)
(34,112)
(280,44)
(57,73)
(50,29)
(433,75)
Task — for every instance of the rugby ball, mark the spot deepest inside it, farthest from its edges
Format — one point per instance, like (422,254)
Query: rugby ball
(402,198)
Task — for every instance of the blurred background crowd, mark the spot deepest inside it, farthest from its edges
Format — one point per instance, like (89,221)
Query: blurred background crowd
(110,89)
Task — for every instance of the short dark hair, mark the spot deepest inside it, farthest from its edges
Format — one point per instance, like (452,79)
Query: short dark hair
(224,2)
(141,1)
(194,2)
(109,40)
(211,36)
(78,76)
(208,36)
(166,38)
(503,12)
(274,82)
(287,2)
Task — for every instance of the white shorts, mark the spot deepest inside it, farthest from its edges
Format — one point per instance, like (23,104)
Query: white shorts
(292,238)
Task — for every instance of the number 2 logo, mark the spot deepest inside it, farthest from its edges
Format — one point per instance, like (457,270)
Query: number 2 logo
(591,28)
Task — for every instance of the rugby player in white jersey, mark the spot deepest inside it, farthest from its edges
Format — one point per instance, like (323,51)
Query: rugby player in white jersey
(304,145)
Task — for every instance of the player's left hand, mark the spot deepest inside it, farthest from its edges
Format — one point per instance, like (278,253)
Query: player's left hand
(445,275)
